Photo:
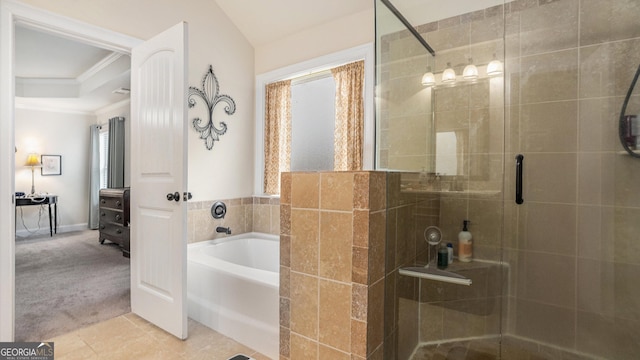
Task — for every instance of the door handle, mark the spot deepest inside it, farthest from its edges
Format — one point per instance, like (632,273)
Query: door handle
(186,196)
(519,165)
(175,196)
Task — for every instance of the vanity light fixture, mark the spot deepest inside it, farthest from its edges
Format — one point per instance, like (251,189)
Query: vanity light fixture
(470,71)
(449,75)
(428,79)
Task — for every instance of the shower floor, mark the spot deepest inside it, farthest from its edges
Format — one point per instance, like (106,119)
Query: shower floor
(489,349)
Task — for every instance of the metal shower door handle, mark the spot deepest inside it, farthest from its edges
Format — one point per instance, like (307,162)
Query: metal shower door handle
(519,165)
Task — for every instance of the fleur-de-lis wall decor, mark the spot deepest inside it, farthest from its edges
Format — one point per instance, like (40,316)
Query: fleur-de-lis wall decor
(210,94)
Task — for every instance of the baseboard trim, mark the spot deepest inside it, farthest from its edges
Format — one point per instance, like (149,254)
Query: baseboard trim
(45,230)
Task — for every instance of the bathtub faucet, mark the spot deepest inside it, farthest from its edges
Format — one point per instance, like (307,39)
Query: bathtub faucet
(225,230)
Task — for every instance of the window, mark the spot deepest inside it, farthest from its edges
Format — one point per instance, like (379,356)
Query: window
(312,123)
(312,120)
(104,155)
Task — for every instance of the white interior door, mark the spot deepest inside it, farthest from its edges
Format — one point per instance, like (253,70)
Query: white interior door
(158,168)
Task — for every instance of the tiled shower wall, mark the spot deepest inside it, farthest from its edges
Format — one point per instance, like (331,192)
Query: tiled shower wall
(572,248)
(573,245)
(250,214)
(421,311)
(332,265)
(426,311)
(408,214)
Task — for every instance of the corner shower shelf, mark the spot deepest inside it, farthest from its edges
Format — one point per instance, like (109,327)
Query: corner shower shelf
(425,272)
(479,193)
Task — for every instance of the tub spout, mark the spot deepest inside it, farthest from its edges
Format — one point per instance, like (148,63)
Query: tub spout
(225,230)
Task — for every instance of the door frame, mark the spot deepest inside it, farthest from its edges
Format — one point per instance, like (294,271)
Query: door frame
(14,12)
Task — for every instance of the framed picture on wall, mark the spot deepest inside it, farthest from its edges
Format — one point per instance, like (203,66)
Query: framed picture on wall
(51,165)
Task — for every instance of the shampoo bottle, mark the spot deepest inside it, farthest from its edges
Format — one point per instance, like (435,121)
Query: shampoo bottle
(465,245)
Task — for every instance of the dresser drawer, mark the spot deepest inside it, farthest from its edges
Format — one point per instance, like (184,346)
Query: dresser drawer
(112,202)
(112,232)
(113,216)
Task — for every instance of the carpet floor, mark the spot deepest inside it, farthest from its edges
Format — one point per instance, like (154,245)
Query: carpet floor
(68,282)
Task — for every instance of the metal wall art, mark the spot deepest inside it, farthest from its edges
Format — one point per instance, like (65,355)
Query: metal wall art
(210,94)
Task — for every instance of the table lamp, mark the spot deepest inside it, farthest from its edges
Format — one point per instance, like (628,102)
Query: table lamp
(33,160)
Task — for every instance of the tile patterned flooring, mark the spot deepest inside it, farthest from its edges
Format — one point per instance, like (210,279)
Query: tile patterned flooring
(131,337)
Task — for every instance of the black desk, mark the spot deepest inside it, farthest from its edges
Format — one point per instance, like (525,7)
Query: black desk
(42,200)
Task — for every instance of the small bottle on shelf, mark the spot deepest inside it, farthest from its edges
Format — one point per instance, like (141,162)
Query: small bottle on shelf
(443,256)
(465,244)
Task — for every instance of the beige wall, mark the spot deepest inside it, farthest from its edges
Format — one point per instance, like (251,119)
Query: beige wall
(340,34)
(227,170)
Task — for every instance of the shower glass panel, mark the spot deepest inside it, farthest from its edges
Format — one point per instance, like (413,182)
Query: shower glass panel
(573,244)
(442,146)
(556,276)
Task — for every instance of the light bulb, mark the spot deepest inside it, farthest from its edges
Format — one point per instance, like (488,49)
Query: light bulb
(449,75)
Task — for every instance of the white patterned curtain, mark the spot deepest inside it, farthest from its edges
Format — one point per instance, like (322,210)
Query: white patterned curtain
(349,116)
(277,134)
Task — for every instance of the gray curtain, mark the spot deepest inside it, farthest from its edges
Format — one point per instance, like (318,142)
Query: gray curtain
(115,177)
(94,176)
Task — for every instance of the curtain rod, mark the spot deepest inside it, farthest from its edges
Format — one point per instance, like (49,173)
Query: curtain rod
(409,27)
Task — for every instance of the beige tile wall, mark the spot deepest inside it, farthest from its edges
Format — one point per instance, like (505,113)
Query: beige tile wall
(250,214)
(332,265)
(475,111)
(573,243)
(572,248)
(419,311)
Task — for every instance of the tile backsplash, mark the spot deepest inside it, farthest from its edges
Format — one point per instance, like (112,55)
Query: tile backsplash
(249,214)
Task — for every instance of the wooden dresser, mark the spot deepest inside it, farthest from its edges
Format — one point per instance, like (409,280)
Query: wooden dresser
(114,217)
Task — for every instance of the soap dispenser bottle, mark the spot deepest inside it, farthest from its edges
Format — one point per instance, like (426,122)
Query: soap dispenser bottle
(465,245)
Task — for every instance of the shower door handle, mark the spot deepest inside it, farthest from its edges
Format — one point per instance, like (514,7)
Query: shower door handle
(519,165)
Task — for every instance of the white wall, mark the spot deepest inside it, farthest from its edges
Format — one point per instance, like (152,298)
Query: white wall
(227,170)
(54,133)
(340,34)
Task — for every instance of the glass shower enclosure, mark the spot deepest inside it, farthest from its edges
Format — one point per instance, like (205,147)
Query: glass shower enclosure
(521,118)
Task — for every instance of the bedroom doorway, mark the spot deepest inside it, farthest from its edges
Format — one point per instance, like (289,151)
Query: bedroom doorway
(67,280)
(54,25)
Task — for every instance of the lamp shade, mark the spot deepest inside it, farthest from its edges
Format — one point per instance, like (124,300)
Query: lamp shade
(470,71)
(495,67)
(449,75)
(33,160)
(428,79)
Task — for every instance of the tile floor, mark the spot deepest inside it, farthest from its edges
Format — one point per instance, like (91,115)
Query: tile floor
(131,337)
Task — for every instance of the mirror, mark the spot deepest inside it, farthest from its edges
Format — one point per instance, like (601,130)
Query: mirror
(629,125)
(431,125)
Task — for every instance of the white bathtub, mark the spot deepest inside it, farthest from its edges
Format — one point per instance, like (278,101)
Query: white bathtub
(233,288)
